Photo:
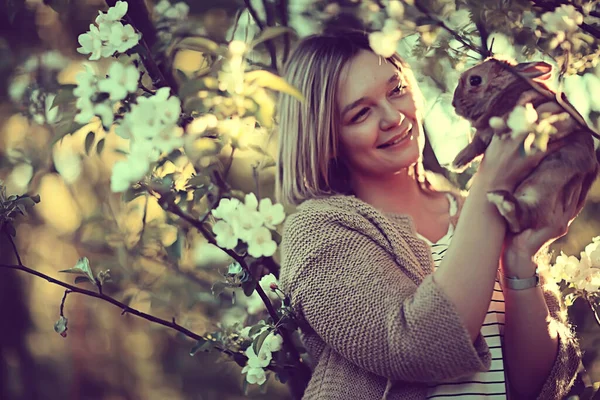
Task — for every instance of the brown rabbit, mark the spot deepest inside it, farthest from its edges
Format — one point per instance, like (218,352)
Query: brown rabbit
(490,89)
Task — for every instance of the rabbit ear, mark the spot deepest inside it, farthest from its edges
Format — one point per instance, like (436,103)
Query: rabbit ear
(540,70)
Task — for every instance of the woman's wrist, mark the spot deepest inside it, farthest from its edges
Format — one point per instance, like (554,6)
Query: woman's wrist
(518,264)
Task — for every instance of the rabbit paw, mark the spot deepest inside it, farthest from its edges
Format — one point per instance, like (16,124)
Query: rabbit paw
(460,164)
(508,207)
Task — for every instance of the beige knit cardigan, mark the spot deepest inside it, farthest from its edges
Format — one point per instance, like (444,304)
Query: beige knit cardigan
(373,321)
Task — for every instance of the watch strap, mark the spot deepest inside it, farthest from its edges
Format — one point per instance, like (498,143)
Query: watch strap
(520,284)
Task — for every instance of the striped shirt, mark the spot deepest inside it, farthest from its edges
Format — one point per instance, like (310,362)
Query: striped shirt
(481,385)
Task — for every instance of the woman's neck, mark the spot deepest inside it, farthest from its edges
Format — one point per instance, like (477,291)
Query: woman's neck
(400,193)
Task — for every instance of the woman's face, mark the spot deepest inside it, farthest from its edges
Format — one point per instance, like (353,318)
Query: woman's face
(377,107)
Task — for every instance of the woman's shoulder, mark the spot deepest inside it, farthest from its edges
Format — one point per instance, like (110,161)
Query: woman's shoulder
(318,212)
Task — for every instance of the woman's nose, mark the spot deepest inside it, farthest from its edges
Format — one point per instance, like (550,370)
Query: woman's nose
(391,117)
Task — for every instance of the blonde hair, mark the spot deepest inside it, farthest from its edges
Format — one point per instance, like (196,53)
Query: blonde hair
(308,162)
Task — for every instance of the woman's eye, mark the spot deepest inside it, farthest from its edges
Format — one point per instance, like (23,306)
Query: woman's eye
(398,89)
(360,114)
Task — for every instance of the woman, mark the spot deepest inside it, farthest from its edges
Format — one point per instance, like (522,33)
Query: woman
(380,317)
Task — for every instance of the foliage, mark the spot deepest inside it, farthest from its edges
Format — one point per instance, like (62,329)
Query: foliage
(172,133)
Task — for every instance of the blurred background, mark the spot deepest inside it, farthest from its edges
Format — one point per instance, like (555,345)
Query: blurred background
(109,356)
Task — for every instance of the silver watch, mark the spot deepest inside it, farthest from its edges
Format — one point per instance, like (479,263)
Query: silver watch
(519,284)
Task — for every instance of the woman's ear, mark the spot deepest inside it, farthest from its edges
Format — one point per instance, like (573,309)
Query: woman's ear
(539,70)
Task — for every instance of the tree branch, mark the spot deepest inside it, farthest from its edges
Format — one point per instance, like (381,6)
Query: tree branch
(282,7)
(125,308)
(551,6)
(302,371)
(441,24)
(261,26)
(12,242)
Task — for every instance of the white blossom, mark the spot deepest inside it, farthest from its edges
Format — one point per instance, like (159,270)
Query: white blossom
(266,282)
(261,243)
(272,214)
(521,119)
(105,112)
(91,43)
(497,123)
(225,235)
(20,177)
(261,360)
(86,110)
(110,35)
(254,375)
(177,11)
(87,83)
(150,126)
(273,342)
(225,208)
(563,19)
(121,81)
(592,251)
(68,165)
(122,37)
(246,223)
(17,87)
(385,42)
(125,172)
(117,12)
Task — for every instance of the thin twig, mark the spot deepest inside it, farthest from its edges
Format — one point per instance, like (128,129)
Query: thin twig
(288,343)
(283,15)
(551,6)
(12,242)
(261,26)
(226,173)
(125,308)
(62,303)
(444,26)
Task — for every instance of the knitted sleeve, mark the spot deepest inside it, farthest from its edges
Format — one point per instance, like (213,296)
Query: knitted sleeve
(354,296)
(567,361)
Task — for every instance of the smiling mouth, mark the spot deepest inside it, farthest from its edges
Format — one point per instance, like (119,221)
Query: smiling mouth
(397,140)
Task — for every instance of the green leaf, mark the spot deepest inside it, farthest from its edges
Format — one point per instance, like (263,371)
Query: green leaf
(64,127)
(83,268)
(81,279)
(249,287)
(197,347)
(269,80)
(217,288)
(191,87)
(64,95)
(200,44)
(182,76)
(255,329)
(131,194)
(100,146)
(60,326)
(271,33)
(258,342)
(89,141)
(245,386)
(198,181)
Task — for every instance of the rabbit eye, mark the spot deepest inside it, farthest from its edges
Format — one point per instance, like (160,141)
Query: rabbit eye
(475,80)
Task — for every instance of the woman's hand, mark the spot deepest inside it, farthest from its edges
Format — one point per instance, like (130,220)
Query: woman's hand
(519,249)
(504,166)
